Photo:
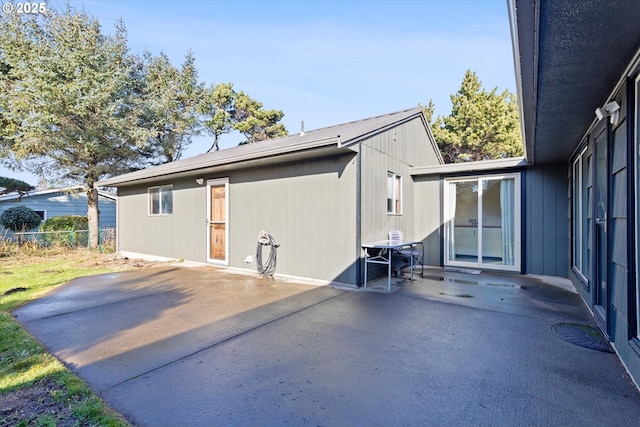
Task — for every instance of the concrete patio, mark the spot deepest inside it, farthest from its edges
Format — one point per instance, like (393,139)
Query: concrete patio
(202,347)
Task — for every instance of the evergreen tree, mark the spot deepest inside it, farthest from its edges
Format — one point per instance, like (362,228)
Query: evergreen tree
(72,98)
(482,125)
(77,107)
(12,185)
(256,123)
(218,108)
(226,110)
(171,104)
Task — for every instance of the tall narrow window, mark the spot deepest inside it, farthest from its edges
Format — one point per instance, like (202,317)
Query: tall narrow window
(637,201)
(394,193)
(580,175)
(161,200)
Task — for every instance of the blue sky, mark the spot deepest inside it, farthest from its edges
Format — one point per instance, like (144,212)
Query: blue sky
(324,62)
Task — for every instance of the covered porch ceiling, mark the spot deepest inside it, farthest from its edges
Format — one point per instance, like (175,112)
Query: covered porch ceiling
(569,57)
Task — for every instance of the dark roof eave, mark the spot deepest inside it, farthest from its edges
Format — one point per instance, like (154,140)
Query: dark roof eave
(468,167)
(522,20)
(566,68)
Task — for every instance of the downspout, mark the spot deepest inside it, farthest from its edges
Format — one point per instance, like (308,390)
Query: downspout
(118,220)
(359,215)
(443,227)
(632,214)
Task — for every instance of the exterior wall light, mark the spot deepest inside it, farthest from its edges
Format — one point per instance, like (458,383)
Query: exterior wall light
(611,110)
(199,181)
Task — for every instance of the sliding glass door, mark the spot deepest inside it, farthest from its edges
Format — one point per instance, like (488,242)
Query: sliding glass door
(482,222)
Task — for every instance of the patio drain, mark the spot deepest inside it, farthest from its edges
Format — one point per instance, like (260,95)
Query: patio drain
(582,335)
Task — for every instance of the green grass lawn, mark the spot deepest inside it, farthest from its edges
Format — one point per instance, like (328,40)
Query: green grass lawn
(39,389)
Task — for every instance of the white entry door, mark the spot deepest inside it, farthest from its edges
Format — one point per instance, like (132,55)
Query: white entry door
(482,222)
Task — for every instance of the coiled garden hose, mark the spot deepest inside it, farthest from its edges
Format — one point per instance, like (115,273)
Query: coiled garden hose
(269,268)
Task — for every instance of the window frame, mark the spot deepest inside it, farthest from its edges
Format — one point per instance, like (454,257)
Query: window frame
(449,217)
(160,190)
(580,169)
(636,164)
(394,200)
(44,213)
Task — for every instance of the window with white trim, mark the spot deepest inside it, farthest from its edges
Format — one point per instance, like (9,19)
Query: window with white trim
(394,194)
(161,200)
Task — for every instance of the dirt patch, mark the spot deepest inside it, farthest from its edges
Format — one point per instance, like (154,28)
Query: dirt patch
(36,402)
(114,261)
(80,257)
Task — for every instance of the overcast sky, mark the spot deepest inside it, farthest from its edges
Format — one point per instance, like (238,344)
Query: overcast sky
(324,62)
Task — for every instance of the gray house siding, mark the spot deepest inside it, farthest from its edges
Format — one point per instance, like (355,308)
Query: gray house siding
(428,217)
(545,211)
(396,151)
(621,316)
(544,216)
(308,207)
(618,254)
(181,235)
(376,222)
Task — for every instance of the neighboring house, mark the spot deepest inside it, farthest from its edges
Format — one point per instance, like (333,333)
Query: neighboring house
(320,194)
(573,58)
(67,201)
